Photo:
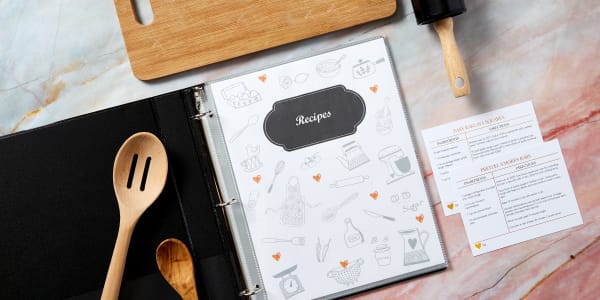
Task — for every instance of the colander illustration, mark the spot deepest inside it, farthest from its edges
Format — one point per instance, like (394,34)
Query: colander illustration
(348,275)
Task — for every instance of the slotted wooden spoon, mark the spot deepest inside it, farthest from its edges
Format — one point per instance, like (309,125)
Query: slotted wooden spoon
(139,175)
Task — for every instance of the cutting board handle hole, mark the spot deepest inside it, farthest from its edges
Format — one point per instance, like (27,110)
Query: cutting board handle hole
(143,11)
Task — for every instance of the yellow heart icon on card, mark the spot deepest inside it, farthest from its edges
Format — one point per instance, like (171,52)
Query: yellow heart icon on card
(451,206)
(478,245)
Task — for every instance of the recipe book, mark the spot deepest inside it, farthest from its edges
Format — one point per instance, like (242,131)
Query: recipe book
(295,181)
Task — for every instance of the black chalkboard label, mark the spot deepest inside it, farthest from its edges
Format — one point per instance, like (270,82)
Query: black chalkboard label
(314,118)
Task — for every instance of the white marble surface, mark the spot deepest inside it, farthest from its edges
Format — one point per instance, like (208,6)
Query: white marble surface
(60,59)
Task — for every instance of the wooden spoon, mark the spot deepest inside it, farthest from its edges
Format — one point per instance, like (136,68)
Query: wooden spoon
(175,264)
(139,175)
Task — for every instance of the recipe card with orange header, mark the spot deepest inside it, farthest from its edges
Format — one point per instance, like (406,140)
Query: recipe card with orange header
(516,197)
(476,138)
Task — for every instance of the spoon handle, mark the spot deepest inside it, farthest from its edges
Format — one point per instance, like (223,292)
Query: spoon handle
(112,285)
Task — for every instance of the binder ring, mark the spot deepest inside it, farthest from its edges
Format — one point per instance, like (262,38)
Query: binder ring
(250,292)
(201,115)
(227,203)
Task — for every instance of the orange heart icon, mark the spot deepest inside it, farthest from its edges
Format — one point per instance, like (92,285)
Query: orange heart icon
(451,206)
(317,177)
(256,178)
(374,88)
(263,77)
(344,263)
(276,256)
(478,245)
(374,195)
(420,218)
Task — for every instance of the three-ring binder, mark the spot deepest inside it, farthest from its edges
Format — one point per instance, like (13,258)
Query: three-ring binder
(227,203)
(201,115)
(199,95)
(250,292)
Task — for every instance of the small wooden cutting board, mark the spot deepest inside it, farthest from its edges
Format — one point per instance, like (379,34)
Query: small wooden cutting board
(187,34)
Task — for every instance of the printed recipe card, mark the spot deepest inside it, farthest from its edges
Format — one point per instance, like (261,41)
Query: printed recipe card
(516,197)
(475,138)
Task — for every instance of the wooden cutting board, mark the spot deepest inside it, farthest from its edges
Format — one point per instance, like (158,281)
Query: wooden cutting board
(187,34)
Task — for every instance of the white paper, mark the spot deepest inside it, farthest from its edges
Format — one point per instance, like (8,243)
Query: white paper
(331,216)
(516,197)
(474,139)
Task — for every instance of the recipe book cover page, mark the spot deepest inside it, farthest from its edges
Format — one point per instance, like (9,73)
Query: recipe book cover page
(326,171)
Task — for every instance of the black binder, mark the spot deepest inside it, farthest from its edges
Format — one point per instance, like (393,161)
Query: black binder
(59,215)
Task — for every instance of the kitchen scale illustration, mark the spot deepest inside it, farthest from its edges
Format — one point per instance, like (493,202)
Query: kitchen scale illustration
(290,284)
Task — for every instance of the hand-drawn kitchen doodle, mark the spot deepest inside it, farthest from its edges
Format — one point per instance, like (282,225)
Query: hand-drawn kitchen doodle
(349,181)
(253,199)
(352,237)
(252,120)
(286,81)
(251,203)
(365,68)
(252,162)
(278,169)
(407,203)
(301,77)
(397,163)
(330,67)
(311,161)
(411,205)
(378,215)
(330,213)
(238,95)
(294,207)
(296,240)
(383,255)
(289,284)
(347,273)
(375,240)
(322,250)
(383,117)
(414,246)
(353,156)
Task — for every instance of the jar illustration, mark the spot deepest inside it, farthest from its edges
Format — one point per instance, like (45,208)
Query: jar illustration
(353,237)
(382,255)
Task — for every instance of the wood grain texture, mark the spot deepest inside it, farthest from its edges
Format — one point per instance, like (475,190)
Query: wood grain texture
(139,175)
(186,34)
(455,66)
(176,265)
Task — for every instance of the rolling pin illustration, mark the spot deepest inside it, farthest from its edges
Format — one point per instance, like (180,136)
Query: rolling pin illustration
(349,181)
(440,13)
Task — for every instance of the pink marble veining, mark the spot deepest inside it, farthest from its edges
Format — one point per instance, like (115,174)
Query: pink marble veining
(555,63)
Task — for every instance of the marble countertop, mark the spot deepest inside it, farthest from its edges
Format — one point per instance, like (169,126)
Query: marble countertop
(60,59)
